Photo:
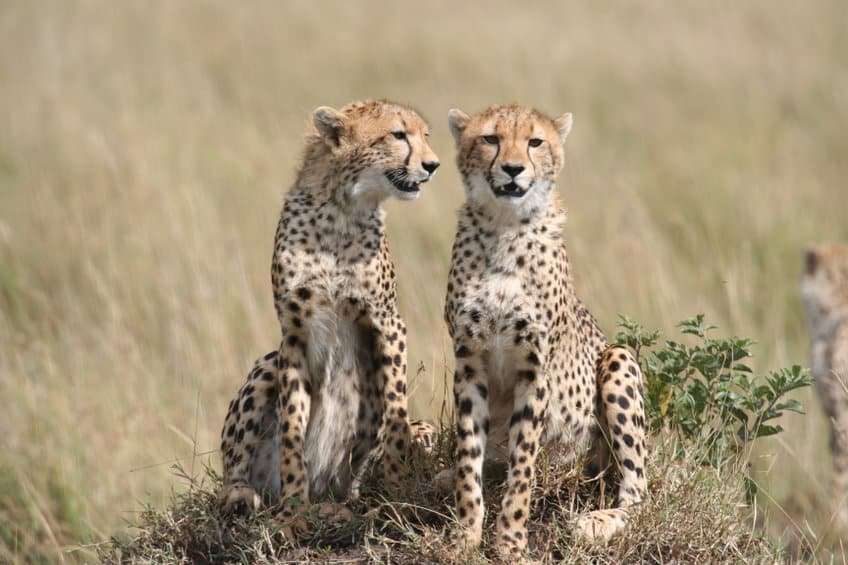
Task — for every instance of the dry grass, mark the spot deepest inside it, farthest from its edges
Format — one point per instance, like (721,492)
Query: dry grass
(144,148)
(692,515)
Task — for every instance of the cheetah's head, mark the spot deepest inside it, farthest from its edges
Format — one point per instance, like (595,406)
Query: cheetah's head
(509,156)
(379,148)
(824,285)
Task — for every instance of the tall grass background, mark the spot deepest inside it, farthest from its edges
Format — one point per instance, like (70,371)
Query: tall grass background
(145,148)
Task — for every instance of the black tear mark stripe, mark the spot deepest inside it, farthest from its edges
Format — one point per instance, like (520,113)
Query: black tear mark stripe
(495,158)
(530,159)
(406,140)
(409,152)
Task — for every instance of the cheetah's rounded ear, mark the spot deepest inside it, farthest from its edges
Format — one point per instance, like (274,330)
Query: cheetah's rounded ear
(563,125)
(330,124)
(457,119)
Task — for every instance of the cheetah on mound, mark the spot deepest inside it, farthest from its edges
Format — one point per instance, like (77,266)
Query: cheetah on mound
(824,287)
(532,366)
(333,397)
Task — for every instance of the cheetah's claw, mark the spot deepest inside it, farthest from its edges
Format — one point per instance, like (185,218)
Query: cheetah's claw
(294,521)
(239,498)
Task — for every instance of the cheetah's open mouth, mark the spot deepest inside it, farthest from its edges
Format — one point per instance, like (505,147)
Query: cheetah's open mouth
(509,190)
(401,181)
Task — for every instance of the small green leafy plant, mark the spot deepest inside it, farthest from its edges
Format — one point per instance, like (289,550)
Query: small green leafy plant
(704,395)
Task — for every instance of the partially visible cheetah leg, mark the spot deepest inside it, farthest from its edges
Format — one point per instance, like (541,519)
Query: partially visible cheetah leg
(391,375)
(622,414)
(249,441)
(832,389)
(237,494)
(369,424)
(472,427)
(839,477)
(293,409)
(525,433)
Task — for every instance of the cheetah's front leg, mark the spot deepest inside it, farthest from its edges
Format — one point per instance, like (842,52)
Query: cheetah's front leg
(294,405)
(395,436)
(525,433)
(472,426)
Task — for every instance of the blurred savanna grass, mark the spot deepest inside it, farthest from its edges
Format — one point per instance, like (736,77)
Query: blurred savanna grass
(144,149)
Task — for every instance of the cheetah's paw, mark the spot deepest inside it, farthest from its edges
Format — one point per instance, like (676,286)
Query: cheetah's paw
(291,520)
(294,520)
(423,435)
(239,498)
(601,525)
(462,545)
(331,513)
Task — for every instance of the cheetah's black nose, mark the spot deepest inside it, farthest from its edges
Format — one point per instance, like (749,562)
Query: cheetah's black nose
(430,166)
(512,170)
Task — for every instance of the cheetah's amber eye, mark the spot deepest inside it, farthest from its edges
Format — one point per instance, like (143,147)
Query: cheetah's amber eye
(535,142)
(491,139)
(399,134)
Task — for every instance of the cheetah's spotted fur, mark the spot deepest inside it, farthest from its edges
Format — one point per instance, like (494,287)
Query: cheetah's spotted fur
(532,366)
(333,397)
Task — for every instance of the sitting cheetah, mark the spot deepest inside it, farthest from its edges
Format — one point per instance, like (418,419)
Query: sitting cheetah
(532,366)
(337,385)
(824,287)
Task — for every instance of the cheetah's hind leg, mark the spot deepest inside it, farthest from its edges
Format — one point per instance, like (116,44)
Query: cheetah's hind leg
(622,415)
(250,442)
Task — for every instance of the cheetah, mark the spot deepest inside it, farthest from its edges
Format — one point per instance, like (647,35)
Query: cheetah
(824,287)
(334,396)
(532,366)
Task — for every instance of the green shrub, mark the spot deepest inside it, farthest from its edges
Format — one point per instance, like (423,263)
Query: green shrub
(704,396)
